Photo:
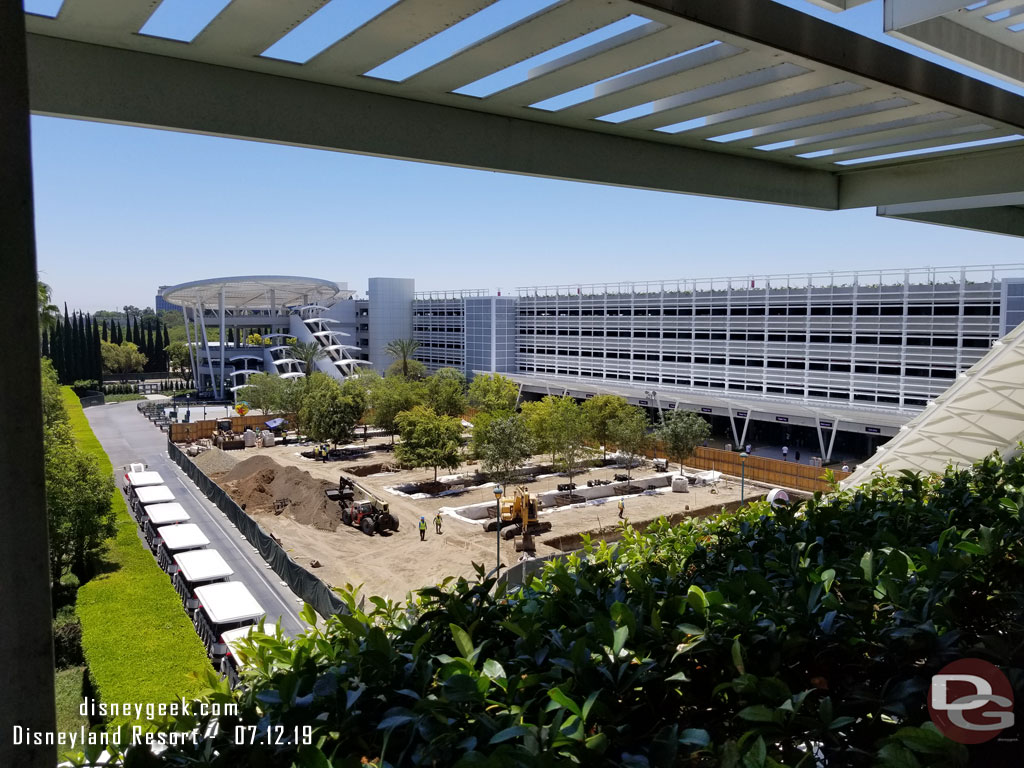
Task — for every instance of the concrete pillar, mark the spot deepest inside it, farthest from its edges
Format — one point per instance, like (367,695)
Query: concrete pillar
(26,639)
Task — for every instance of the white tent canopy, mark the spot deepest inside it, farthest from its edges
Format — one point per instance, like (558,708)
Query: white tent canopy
(982,412)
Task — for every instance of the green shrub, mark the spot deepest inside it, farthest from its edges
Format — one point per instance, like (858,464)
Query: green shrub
(798,637)
(136,638)
(67,640)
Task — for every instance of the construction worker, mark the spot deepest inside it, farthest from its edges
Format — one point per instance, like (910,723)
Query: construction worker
(622,509)
(437,522)
(423,529)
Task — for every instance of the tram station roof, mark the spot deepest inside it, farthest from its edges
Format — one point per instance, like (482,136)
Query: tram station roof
(981,413)
(252,292)
(744,99)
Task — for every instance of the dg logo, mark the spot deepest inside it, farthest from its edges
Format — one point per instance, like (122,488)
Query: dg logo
(971,701)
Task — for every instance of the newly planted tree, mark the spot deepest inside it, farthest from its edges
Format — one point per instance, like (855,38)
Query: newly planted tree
(505,446)
(600,411)
(446,392)
(568,436)
(493,393)
(629,431)
(328,412)
(681,432)
(428,439)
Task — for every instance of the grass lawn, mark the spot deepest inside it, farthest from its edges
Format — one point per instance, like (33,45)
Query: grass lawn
(69,699)
(138,643)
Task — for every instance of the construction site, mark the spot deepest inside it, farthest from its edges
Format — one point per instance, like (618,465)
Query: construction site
(355,519)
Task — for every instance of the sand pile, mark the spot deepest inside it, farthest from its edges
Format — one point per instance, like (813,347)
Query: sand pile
(260,483)
(215,461)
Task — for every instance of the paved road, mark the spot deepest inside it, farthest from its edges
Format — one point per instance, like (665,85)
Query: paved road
(127,437)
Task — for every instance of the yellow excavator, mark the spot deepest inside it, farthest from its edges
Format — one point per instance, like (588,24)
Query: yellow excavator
(519,518)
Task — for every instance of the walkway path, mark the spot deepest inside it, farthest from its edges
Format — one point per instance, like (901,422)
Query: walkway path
(128,437)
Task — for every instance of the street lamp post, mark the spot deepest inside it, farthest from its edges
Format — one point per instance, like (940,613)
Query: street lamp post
(497,525)
(743,473)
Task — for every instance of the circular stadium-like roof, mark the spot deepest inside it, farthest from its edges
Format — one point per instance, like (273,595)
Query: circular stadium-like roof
(252,292)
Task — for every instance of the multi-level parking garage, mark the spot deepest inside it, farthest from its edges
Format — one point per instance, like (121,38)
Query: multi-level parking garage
(895,338)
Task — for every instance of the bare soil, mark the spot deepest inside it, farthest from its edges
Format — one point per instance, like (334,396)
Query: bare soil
(309,525)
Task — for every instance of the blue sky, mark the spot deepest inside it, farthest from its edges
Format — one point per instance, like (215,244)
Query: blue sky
(121,210)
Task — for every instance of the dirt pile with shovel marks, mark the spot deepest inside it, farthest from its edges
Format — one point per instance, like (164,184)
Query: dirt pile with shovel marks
(262,486)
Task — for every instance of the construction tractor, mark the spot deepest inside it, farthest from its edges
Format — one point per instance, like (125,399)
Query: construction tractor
(519,518)
(361,508)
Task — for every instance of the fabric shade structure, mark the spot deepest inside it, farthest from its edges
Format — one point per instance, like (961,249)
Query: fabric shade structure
(981,413)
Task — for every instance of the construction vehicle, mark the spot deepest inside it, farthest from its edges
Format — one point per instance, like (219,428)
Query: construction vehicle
(362,508)
(519,517)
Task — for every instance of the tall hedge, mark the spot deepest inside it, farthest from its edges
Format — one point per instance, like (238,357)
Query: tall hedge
(138,642)
(799,636)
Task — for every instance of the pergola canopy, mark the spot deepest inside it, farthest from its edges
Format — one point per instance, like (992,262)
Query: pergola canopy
(744,99)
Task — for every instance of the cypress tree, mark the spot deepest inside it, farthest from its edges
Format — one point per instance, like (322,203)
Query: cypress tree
(152,363)
(97,358)
(75,347)
(117,334)
(105,336)
(163,347)
(57,350)
(81,348)
(66,355)
(44,348)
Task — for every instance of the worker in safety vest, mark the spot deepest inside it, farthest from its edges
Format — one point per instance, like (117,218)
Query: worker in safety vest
(423,529)
(437,522)
(622,508)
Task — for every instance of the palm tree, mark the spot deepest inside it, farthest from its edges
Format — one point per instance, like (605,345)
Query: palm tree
(403,349)
(307,353)
(47,312)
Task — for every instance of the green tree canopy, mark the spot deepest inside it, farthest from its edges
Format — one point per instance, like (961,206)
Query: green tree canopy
(389,397)
(446,392)
(428,439)
(263,391)
(328,413)
(403,350)
(629,431)
(568,432)
(493,393)
(122,359)
(413,370)
(505,445)
(600,412)
(682,432)
(538,415)
(178,359)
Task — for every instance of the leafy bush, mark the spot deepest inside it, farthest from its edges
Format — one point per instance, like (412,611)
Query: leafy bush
(67,641)
(137,640)
(807,636)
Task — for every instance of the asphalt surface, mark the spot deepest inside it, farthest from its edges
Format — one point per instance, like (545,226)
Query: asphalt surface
(127,436)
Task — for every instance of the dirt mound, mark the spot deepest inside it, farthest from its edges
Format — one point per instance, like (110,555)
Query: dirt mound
(215,461)
(265,487)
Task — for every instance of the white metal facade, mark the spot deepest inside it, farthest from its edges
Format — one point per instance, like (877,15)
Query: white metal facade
(895,339)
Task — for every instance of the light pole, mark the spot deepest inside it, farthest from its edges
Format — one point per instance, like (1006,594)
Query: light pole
(497,525)
(188,408)
(743,473)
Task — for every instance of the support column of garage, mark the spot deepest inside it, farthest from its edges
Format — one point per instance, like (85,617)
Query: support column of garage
(26,642)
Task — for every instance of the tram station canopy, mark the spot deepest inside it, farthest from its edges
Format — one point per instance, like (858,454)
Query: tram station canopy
(981,413)
(745,99)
